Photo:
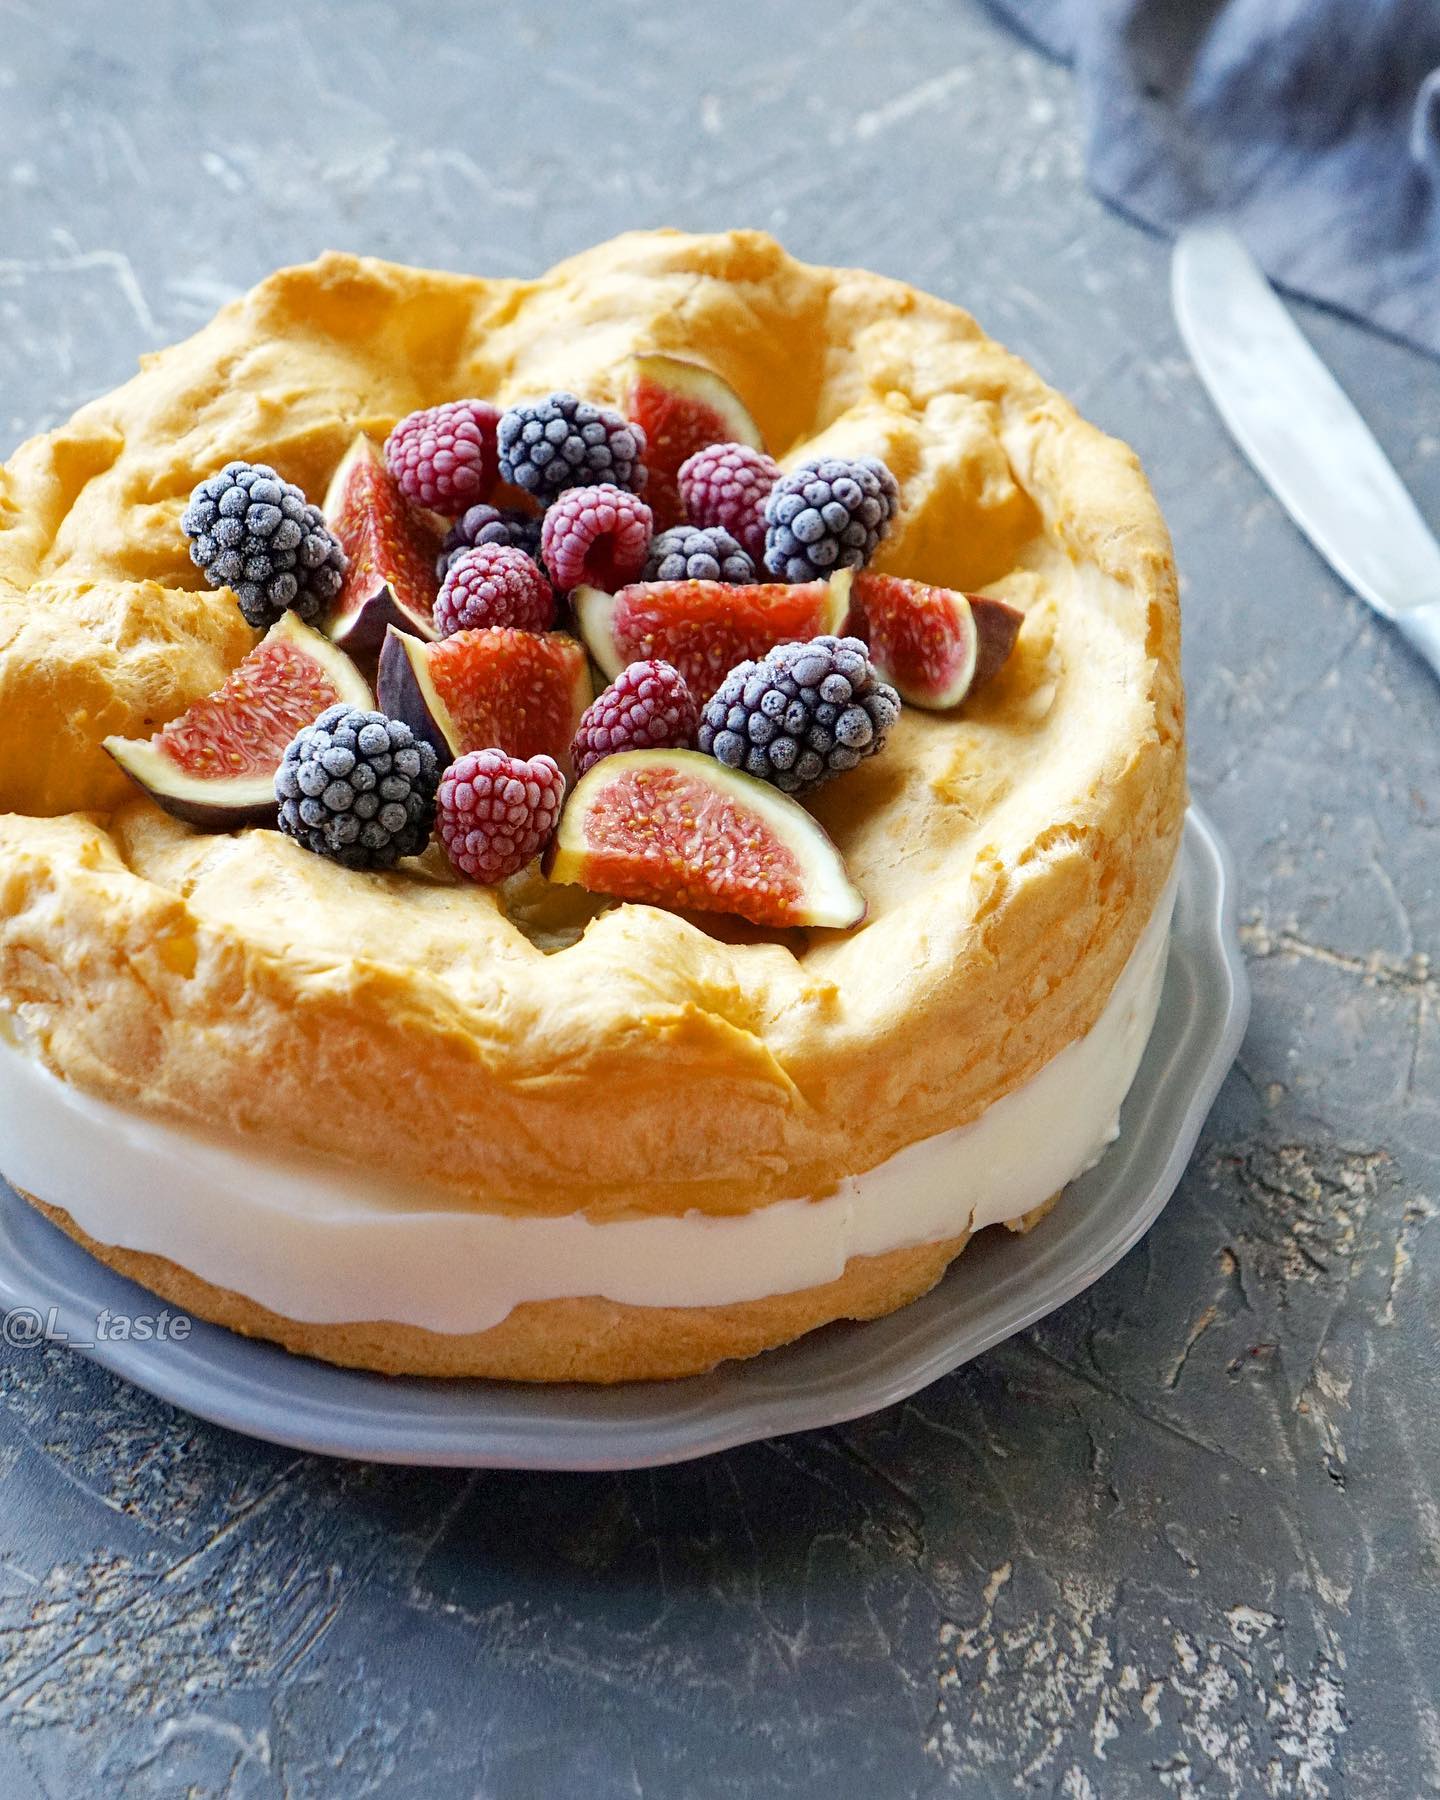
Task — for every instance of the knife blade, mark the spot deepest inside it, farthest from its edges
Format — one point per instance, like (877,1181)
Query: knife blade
(1301,431)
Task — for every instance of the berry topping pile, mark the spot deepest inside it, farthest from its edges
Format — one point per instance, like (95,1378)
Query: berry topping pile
(698,553)
(733,688)
(493,585)
(257,535)
(828,514)
(497,812)
(562,442)
(727,485)
(802,714)
(359,788)
(646,707)
(483,524)
(595,537)
(443,457)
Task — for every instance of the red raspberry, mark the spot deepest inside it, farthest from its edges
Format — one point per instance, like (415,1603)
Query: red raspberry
(497,813)
(444,457)
(599,536)
(726,485)
(646,707)
(493,584)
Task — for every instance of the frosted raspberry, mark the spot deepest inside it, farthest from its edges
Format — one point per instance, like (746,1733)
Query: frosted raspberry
(497,813)
(598,536)
(646,707)
(444,457)
(493,585)
(726,485)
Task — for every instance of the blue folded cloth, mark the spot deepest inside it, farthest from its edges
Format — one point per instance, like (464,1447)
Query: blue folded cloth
(1313,125)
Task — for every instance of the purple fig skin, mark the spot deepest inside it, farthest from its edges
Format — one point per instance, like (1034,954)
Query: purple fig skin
(193,800)
(360,631)
(997,625)
(213,815)
(401,695)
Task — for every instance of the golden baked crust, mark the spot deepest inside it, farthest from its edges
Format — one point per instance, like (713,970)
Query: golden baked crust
(537,1052)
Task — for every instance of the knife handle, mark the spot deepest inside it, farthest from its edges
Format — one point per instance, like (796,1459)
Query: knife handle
(1421,624)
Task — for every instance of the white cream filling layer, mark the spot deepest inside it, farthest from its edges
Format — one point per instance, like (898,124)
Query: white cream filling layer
(330,1245)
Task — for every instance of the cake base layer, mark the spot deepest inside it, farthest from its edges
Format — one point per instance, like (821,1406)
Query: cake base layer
(590,1339)
(365,1277)
(364,1273)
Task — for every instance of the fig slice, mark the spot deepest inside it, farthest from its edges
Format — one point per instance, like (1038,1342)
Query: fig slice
(703,628)
(677,829)
(214,766)
(391,578)
(997,624)
(682,406)
(932,644)
(496,688)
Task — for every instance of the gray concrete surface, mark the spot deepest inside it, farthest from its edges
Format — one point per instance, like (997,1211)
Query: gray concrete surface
(1182,1537)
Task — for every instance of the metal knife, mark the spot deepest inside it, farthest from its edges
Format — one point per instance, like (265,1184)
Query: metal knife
(1300,429)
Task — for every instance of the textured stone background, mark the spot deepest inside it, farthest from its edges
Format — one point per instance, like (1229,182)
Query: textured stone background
(1180,1537)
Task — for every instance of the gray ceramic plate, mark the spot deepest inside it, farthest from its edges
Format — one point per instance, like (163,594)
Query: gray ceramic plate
(1000,1285)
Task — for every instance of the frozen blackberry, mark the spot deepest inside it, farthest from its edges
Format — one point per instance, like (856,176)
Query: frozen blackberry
(358,788)
(828,514)
(698,553)
(259,536)
(803,713)
(562,441)
(485,524)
